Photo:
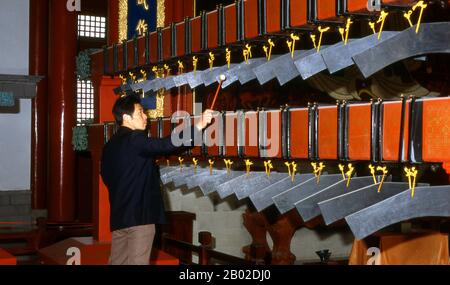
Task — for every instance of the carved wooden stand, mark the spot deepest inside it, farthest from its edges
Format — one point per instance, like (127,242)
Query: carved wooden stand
(258,251)
(281,231)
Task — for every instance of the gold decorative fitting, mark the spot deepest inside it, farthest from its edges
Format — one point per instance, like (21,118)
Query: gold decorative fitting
(372,171)
(123,20)
(380,21)
(228,164)
(132,76)
(345,31)
(211,163)
(321,31)
(144,74)
(411,173)
(268,50)
(349,173)
(318,168)
(408,14)
(248,164)
(292,168)
(268,166)
(288,165)
(313,39)
(160,13)
(385,172)
(155,71)
(181,163)
(194,63)
(294,39)
(342,169)
(180,67)
(124,79)
(211,60)
(247,53)
(167,69)
(228,57)
(195,161)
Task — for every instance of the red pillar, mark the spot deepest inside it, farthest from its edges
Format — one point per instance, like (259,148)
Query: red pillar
(61,102)
(113,22)
(105,99)
(38,56)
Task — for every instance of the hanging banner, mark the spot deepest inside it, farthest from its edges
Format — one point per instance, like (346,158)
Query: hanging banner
(141,17)
(136,17)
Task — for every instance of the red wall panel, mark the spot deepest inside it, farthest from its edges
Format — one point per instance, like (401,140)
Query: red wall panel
(298,12)
(327,132)
(196,34)
(436,130)
(326,9)
(359,131)
(153,47)
(299,133)
(273,15)
(180,39)
(251,19)
(213,31)
(167,40)
(230,24)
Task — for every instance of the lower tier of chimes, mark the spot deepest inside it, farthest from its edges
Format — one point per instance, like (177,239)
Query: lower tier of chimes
(408,135)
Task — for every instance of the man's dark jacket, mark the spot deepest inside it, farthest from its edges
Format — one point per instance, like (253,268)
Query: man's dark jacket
(129,171)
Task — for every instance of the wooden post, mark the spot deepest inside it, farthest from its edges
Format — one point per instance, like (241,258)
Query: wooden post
(258,251)
(205,239)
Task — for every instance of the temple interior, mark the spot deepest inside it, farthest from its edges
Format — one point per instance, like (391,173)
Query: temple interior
(329,144)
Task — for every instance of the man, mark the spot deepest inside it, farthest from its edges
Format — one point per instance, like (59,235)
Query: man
(129,171)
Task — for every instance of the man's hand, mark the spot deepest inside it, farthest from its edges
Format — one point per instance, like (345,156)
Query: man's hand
(205,119)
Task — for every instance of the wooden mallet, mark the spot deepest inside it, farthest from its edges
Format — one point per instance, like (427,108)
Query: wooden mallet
(222,78)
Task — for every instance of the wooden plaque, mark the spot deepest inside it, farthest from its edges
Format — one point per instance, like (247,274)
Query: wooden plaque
(359,131)
(196,25)
(230,24)
(299,133)
(391,130)
(328,132)
(213,30)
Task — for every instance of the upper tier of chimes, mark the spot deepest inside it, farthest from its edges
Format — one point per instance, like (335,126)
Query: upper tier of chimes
(233,25)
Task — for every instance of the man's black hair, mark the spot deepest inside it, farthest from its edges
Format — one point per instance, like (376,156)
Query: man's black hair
(124,105)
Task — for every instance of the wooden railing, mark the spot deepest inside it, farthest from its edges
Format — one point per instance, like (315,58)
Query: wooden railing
(206,254)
